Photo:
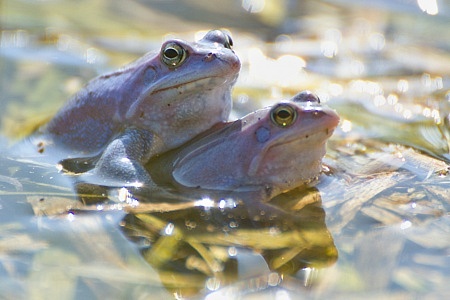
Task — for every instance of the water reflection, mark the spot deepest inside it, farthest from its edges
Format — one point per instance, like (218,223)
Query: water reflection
(214,243)
(223,245)
(231,246)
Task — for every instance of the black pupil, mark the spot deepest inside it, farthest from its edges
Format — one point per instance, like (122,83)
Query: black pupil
(283,114)
(230,41)
(171,53)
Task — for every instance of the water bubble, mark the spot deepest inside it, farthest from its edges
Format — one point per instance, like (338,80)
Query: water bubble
(407,114)
(426,112)
(274,230)
(206,202)
(233,224)
(357,67)
(92,55)
(232,251)
(213,284)
(242,98)
(379,100)
(169,229)
(405,225)
(438,83)
(190,224)
(402,86)
(329,49)
(123,194)
(273,279)
(426,79)
(346,126)
(253,6)
(398,107)
(227,203)
(222,204)
(71,216)
(392,99)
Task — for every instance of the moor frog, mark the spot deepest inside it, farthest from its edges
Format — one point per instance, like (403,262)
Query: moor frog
(152,105)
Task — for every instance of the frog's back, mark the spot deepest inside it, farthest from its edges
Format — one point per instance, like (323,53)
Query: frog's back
(83,124)
(91,118)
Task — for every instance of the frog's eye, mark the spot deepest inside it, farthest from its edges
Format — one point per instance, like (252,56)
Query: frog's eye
(220,37)
(173,55)
(229,41)
(283,115)
(306,96)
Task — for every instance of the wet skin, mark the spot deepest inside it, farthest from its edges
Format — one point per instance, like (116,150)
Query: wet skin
(271,150)
(152,105)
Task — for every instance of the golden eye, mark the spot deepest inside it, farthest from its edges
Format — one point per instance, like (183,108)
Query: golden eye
(173,55)
(283,115)
(229,42)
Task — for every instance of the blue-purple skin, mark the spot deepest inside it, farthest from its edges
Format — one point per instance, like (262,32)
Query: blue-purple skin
(148,107)
(272,150)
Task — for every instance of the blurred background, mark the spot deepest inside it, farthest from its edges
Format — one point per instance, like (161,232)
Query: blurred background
(390,57)
(384,65)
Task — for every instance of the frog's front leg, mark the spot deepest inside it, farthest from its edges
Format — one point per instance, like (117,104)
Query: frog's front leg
(122,161)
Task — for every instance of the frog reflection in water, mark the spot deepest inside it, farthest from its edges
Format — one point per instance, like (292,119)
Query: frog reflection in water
(282,242)
(271,150)
(150,106)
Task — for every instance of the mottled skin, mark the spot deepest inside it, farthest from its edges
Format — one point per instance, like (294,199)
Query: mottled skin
(273,150)
(149,106)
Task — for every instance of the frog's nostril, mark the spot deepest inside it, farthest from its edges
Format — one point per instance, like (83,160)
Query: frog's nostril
(317,113)
(210,56)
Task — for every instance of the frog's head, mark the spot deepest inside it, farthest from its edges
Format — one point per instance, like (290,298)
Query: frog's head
(185,86)
(290,141)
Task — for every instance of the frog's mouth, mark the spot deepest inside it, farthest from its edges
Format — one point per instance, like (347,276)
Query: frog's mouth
(292,151)
(189,85)
(224,73)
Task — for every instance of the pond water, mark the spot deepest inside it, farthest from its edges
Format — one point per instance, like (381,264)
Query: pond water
(375,225)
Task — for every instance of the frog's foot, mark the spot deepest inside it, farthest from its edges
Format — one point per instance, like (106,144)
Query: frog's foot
(111,175)
(121,163)
(121,172)
(99,184)
(78,165)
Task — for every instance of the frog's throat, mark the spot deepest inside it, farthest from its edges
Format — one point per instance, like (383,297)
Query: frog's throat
(318,136)
(187,87)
